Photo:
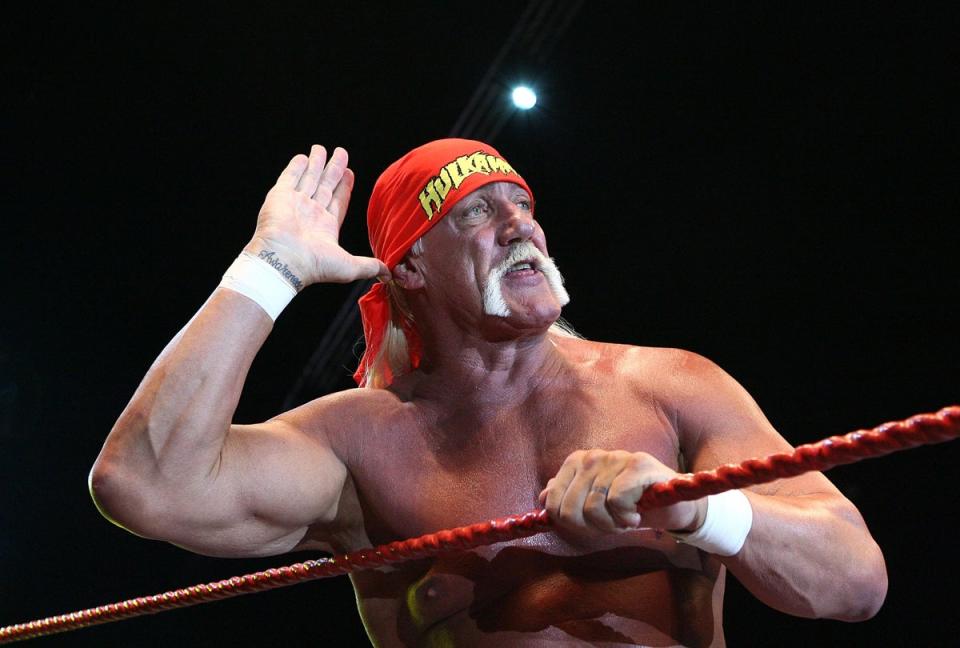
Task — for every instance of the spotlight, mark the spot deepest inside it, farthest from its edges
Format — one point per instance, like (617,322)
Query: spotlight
(524,98)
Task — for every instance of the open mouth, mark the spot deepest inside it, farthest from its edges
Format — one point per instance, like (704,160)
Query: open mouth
(522,267)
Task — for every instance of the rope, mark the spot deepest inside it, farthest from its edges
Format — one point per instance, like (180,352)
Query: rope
(834,451)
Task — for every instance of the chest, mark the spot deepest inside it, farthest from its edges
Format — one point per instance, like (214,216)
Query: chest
(429,473)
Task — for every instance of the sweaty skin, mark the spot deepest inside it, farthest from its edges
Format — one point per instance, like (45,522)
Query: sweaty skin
(502,414)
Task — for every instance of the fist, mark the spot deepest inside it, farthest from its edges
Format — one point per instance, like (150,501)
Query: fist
(596,491)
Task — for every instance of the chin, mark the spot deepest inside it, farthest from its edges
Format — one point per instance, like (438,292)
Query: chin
(531,319)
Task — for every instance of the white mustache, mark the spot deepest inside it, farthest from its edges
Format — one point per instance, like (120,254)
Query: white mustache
(493,301)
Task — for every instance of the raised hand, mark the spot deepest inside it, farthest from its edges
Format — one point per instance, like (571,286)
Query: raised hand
(299,224)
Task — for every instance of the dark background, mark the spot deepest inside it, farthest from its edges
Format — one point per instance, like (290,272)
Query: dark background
(775,189)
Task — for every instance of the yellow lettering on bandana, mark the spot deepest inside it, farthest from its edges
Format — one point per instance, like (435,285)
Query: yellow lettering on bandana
(443,184)
(452,175)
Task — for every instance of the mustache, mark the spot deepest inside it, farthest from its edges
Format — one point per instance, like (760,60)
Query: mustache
(493,300)
(522,251)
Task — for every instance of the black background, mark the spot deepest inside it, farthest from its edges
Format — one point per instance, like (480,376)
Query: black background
(775,189)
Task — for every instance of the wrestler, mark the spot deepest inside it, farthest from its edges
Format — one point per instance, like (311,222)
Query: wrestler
(475,405)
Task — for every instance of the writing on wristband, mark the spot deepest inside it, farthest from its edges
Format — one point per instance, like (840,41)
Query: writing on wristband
(725,526)
(261,280)
(270,258)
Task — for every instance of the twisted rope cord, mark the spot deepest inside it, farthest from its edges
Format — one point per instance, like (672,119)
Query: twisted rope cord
(922,429)
(834,451)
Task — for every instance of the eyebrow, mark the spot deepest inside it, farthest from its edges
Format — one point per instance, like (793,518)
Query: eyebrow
(487,193)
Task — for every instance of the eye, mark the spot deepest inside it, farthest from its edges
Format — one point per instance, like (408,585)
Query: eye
(522,200)
(476,211)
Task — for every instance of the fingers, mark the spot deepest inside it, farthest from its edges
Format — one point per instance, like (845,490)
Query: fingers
(621,500)
(576,496)
(606,491)
(552,496)
(311,175)
(330,178)
(290,176)
(595,510)
(317,176)
(571,512)
(341,196)
(595,490)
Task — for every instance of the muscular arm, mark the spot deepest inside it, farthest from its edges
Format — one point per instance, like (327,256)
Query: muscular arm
(808,552)
(174,467)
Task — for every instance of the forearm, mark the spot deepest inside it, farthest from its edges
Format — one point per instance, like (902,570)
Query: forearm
(174,427)
(174,467)
(811,556)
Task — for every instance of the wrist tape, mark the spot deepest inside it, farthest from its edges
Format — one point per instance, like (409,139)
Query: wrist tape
(257,280)
(725,526)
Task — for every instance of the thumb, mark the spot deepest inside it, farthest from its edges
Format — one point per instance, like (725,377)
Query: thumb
(369,267)
(627,520)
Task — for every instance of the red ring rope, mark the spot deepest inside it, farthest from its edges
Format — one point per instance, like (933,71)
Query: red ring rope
(834,451)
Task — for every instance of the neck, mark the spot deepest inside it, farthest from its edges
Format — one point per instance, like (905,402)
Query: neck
(500,366)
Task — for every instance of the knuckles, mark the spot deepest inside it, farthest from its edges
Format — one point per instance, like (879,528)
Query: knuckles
(598,458)
(566,519)
(574,457)
(623,473)
(598,517)
(620,501)
(593,457)
(637,461)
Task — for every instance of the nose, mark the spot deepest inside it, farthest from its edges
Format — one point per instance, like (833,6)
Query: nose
(518,226)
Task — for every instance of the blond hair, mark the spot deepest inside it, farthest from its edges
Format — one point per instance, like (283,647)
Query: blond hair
(393,357)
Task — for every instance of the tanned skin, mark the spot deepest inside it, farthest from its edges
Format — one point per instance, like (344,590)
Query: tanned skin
(503,416)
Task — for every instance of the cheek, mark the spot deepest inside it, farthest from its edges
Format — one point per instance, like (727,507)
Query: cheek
(540,239)
(479,254)
(455,271)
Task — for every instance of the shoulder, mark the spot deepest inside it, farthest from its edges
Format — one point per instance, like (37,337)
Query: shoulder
(667,367)
(360,402)
(685,384)
(715,418)
(344,419)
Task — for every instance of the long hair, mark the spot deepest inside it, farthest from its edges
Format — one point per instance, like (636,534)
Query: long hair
(393,358)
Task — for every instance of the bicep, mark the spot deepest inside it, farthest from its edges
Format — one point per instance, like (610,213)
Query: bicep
(271,483)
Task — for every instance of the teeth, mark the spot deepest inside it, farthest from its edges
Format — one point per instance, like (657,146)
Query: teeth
(520,266)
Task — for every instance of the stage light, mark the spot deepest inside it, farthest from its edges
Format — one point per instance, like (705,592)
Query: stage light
(524,98)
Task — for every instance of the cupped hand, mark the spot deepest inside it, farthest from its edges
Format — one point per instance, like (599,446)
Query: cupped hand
(299,223)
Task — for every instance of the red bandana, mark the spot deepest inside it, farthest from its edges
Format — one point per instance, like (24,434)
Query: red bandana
(410,197)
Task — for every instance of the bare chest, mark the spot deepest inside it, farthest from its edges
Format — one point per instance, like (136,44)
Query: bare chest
(426,474)
(422,475)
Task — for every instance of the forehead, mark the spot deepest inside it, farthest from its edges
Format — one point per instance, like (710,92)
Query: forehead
(501,188)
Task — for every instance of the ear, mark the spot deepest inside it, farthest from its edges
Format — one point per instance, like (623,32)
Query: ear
(406,275)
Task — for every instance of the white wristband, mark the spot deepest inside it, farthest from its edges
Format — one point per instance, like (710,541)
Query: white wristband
(725,526)
(259,281)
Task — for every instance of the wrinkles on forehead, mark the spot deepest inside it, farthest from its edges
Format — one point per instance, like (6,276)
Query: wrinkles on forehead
(503,188)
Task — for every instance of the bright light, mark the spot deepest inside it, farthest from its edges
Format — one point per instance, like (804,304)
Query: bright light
(524,98)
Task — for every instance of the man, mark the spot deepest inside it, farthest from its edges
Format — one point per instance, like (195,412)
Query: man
(477,406)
